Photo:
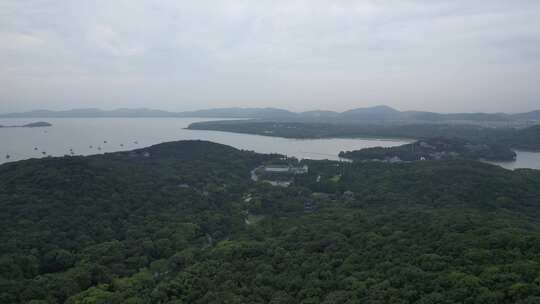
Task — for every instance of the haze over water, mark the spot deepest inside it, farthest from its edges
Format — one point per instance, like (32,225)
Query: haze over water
(85,135)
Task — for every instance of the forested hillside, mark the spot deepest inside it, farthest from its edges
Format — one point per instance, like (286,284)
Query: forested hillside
(524,138)
(331,130)
(182,222)
(438,148)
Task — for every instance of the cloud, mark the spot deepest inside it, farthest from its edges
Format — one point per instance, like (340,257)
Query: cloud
(300,54)
(104,39)
(18,41)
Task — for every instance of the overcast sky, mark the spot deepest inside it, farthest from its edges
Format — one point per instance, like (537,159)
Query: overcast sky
(438,55)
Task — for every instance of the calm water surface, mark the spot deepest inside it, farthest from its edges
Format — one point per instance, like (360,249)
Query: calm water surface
(83,136)
(524,159)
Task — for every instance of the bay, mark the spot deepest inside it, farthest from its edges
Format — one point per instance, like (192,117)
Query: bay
(524,160)
(87,136)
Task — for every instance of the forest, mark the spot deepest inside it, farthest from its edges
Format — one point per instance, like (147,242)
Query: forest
(438,148)
(182,222)
(524,138)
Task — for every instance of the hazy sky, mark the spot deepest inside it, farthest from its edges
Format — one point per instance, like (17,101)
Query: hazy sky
(439,55)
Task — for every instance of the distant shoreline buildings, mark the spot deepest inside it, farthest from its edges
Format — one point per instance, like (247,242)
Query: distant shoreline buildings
(278,175)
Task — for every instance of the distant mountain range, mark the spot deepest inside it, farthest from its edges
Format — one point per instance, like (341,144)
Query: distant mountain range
(90,112)
(143,112)
(369,114)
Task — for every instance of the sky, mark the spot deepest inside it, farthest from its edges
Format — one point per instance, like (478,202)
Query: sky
(436,55)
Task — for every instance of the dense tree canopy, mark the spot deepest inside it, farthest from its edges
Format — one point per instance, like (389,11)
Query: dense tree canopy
(183,223)
(525,138)
(439,148)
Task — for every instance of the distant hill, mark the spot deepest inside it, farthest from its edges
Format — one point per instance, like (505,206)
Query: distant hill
(373,113)
(91,112)
(266,113)
(533,115)
(431,116)
(438,148)
(386,113)
(380,113)
(525,139)
(319,114)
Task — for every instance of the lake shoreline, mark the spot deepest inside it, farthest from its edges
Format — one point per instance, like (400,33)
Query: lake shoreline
(89,136)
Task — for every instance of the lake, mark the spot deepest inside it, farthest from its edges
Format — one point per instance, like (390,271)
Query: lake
(524,159)
(85,136)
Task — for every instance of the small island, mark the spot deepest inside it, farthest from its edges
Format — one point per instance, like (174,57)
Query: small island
(39,124)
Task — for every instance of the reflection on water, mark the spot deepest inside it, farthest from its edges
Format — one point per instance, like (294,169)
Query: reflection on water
(85,136)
